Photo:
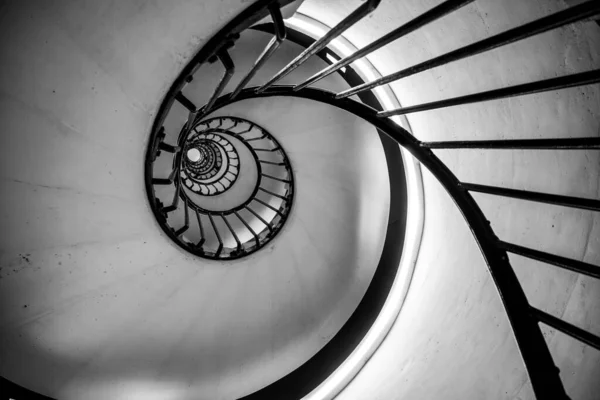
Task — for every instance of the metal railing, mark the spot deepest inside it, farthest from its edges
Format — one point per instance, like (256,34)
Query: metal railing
(523,317)
(206,163)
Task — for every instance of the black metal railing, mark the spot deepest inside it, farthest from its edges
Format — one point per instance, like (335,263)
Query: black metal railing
(523,317)
(207,163)
(210,164)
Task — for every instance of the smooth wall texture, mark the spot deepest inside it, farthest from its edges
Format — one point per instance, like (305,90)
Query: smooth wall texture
(95,302)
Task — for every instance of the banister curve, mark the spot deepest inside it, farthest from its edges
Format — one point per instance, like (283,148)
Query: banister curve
(536,355)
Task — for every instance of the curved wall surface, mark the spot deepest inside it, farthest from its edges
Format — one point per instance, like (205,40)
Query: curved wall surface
(95,301)
(452,338)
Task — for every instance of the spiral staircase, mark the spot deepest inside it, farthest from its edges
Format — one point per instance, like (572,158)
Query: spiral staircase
(300,199)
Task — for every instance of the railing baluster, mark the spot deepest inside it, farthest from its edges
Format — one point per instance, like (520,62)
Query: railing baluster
(563,82)
(237,240)
(275,178)
(256,138)
(192,115)
(186,225)
(187,103)
(261,219)
(169,209)
(227,62)
(586,143)
(562,262)
(268,206)
(321,43)
(175,202)
(159,144)
(411,26)
(569,329)
(249,228)
(571,15)
(214,226)
(278,23)
(172,175)
(273,45)
(272,194)
(202,237)
(246,131)
(168,148)
(233,125)
(559,200)
(161,181)
(271,162)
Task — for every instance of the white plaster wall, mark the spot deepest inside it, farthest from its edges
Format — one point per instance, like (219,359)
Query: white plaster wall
(80,82)
(95,302)
(452,339)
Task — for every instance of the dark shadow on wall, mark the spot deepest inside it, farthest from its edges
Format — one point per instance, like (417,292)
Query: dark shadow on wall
(12,391)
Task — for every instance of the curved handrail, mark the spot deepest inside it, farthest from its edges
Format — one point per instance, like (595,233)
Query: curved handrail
(528,334)
(524,318)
